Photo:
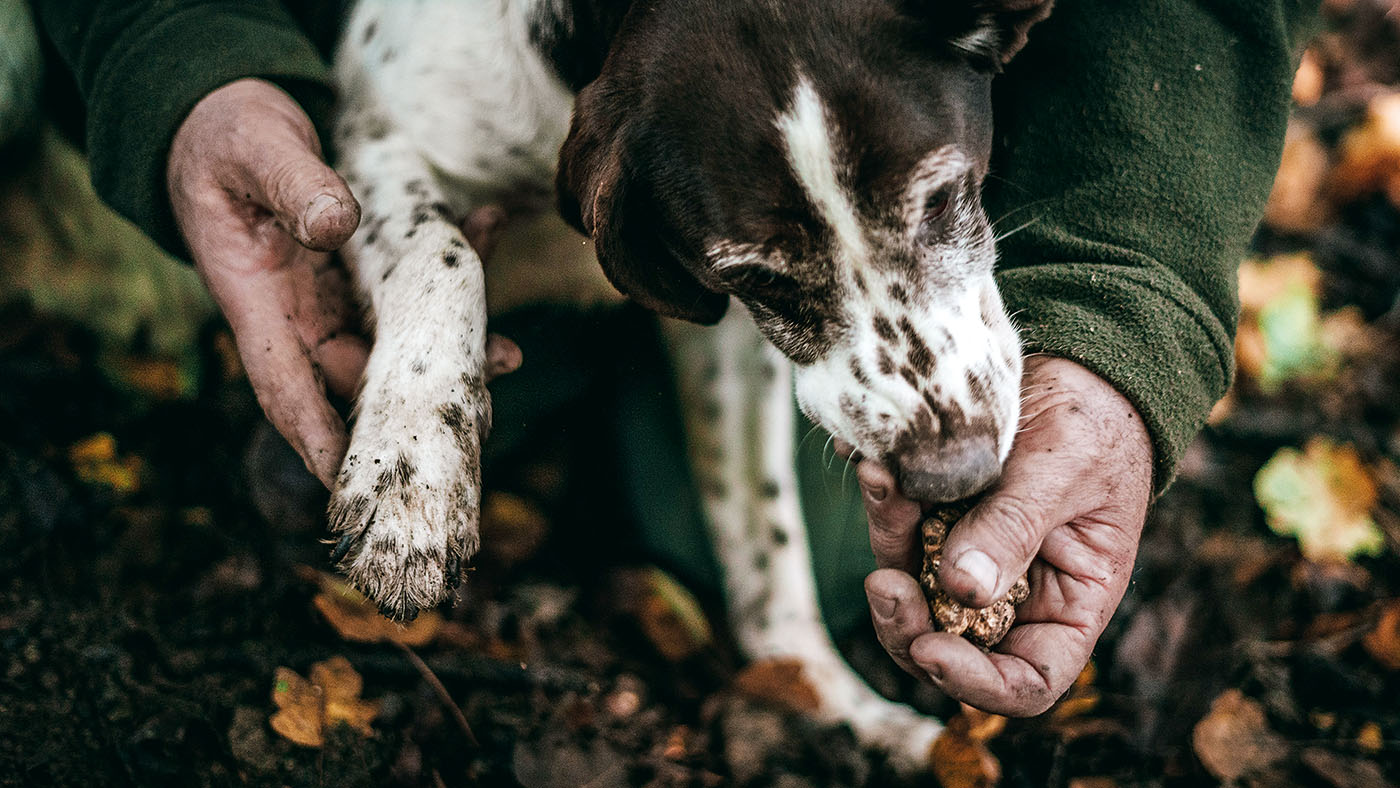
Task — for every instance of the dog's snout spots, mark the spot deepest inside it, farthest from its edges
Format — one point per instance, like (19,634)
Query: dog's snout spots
(884,362)
(885,329)
(898,294)
(858,373)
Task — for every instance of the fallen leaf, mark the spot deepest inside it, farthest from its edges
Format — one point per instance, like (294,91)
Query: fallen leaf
(300,711)
(1340,771)
(982,726)
(1234,738)
(512,528)
(158,378)
(1280,334)
(1323,496)
(1369,738)
(1369,155)
(357,619)
(95,460)
(779,682)
(671,618)
(960,761)
(1383,642)
(305,708)
(1296,204)
(1081,699)
(1308,81)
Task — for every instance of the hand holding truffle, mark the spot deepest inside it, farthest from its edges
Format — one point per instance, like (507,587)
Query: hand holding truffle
(1066,515)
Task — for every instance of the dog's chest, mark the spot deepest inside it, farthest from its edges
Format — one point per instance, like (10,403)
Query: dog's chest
(466,82)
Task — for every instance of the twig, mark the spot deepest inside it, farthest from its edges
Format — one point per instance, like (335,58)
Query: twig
(432,679)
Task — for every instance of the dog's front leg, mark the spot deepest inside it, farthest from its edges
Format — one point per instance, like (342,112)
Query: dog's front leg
(736,395)
(407,499)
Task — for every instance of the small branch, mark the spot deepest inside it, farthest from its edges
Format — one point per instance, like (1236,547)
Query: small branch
(432,679)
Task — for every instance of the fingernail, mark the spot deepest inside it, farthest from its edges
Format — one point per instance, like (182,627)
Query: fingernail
(883,606)
(978,566)
(318,208)
(935,673)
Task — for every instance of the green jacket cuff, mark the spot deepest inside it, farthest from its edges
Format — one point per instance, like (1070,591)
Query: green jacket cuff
(1149,335)
(154,73)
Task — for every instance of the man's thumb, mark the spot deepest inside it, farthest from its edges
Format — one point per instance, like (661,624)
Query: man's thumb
(310,200)
(991,547)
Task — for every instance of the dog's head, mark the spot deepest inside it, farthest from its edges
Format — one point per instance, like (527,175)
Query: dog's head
(822,163)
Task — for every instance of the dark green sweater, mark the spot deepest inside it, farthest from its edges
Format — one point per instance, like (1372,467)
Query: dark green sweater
(1135,142)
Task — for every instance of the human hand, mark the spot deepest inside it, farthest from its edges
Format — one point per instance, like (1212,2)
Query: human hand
(260,212)
(1070,505)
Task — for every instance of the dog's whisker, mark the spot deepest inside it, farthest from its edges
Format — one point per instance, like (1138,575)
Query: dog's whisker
(1009,233)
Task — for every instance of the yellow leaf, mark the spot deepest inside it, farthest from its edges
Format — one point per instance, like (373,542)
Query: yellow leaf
(306,708)
(671,618)
(1383,642)
(1369,738)
(299,717)
(779,682)
(1280,335)
(1324,497)
(356,619)
(960,761)
(95,461)
(341,686)
(1234,738)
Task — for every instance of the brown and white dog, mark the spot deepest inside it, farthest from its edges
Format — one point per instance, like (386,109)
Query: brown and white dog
(820,162)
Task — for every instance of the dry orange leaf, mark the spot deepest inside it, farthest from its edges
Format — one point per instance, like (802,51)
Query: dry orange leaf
(1383,642)
(1234,738)
(961,761)
(305,708)
(1296,204)
(779,682)
(1308,81)
(512,528)
(158,378)
(1081,699)
(356,619)
(671,618)
(95,461)
(1369,155)
(1323,496)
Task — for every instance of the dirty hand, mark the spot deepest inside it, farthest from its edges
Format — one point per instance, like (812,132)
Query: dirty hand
(261,212)
(1070,505)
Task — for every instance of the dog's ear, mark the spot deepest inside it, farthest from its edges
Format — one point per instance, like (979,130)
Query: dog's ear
(989,32)
(603,201)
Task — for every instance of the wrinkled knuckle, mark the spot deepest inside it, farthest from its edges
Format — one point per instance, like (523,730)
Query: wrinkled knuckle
(1013,523)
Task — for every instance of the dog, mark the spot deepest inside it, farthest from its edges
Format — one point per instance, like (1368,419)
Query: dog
(817,163)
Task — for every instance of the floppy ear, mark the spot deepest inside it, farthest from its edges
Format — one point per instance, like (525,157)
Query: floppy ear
(1015,19)
(989,32)
(600,199)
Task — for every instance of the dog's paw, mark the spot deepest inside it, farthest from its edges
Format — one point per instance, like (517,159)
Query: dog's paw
(407,502)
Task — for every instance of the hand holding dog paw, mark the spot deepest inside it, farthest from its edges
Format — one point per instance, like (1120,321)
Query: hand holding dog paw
(261,211)
(1069,509)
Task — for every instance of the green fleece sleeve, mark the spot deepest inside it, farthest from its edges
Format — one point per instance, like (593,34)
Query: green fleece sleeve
(142,66)
(1135,147)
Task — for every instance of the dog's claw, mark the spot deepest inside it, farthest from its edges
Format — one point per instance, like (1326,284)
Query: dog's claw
(454,572)
(342,548)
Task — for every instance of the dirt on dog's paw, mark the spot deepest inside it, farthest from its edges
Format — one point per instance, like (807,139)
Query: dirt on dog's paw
(984,627)
(406,509)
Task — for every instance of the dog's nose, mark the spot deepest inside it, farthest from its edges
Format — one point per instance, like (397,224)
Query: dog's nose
(950,472)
